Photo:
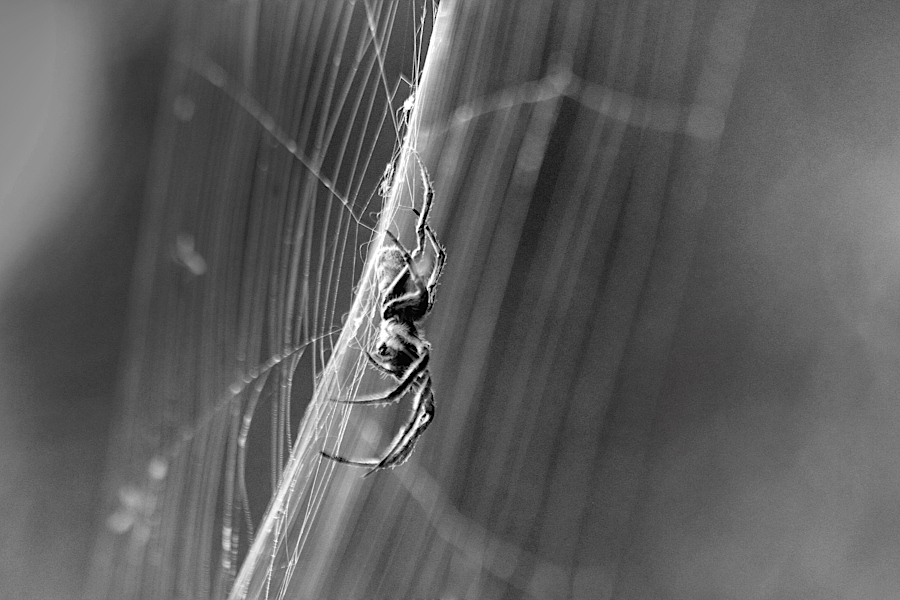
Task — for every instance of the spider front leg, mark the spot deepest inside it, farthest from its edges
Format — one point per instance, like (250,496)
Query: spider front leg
(422,224)
(440,257)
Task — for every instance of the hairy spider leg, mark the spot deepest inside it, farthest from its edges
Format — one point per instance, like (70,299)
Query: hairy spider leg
(440,257)
(426,209)
(404,443)
(440,254)
(347,461)
(415,370)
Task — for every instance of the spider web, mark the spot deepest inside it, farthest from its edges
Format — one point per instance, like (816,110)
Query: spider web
(280,121)
(569,142)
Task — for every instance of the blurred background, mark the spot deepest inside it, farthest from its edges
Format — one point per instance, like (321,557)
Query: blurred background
(765,464)
(78,99)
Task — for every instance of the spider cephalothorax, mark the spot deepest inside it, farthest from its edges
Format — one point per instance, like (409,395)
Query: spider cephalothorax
(400,350)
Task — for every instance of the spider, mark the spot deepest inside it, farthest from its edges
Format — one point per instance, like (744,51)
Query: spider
(401,351)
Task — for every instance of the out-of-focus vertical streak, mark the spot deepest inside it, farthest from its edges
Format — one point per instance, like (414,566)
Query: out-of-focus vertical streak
(673,251)
(495,451)
(573,464)
(618,447)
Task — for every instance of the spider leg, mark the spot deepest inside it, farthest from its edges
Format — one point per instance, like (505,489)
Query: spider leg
(347,461)
(426,209)
(440,257)
(405,441)
(409,378)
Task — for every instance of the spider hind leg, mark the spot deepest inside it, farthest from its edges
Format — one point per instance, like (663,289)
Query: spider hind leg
(404,443)
(347,461)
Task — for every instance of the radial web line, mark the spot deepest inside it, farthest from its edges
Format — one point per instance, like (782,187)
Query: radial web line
(215,75)
(294,307)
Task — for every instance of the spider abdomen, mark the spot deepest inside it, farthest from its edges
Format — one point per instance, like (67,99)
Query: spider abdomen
(390,264)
